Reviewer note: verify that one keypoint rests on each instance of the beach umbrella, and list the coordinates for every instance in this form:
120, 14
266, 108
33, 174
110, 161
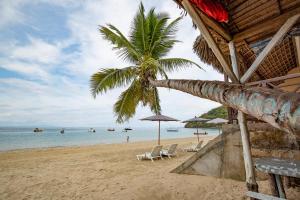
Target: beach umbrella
218, 121
196, 119
159, 118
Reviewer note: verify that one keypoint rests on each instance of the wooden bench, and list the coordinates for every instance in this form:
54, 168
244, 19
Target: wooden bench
276, 168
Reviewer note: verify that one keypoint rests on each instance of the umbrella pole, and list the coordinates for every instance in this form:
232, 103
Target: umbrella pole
197, 134
158, 132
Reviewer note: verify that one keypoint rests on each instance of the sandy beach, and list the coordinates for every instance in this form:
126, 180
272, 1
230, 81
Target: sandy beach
109, 172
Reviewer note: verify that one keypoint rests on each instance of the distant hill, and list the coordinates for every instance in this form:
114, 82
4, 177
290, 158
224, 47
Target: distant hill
219, 112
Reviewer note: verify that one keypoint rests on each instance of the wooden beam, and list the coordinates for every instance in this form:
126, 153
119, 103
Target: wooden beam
280, 78
274, 41
234, 60
261, 196
297, 45
249, 167
215, 25
209, 39
245, 136
267, 27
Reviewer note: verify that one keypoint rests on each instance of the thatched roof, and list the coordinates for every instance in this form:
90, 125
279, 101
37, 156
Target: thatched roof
252, 24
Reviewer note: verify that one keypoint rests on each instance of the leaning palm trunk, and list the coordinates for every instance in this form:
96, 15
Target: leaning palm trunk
280, 109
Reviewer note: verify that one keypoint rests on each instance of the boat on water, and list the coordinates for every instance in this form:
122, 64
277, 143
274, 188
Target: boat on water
128, 129
92, 130
205, 133
62, 131
110, 129
36, 130
172, 130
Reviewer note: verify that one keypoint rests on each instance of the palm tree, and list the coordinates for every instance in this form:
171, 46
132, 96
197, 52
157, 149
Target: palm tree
278, 108
150, 40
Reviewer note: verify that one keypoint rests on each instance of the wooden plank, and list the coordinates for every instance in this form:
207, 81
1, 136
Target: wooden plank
257, 10
214, 25
261, 196
267, 27
286, 4
269, 12
274, 41
280, 78
208, 37
278, 166
246, 7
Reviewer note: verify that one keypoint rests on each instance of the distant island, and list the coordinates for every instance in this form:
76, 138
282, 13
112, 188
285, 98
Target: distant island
219, 112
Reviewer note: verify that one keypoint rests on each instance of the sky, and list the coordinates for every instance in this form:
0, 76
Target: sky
50, 48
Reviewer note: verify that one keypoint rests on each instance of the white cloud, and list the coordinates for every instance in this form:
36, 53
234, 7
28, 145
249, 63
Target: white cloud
9, 12
33, 71
63, 101
37, 51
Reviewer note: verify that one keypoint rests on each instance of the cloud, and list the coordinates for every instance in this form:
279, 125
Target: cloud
54, 89
37, 51
9, 13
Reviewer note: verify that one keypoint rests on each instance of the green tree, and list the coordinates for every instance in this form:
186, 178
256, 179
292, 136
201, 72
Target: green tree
150, 40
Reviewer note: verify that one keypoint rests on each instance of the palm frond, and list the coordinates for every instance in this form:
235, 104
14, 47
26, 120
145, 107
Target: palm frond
125, 48
173, 64
110, 78
139, 33
126, 105
166, 41
155, 103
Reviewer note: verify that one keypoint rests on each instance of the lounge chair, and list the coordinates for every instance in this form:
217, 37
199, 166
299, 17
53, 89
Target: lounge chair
155, 153
171, 151
194, 148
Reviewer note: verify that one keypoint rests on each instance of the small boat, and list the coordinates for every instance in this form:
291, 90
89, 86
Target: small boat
110, 129
62, 131
36, 130
128, 129
172, 130
205, 133
92, 130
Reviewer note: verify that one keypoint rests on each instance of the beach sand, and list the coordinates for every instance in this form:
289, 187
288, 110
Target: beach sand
108, 172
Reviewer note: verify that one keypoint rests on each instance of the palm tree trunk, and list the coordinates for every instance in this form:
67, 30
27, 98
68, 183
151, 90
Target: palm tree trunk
280, 109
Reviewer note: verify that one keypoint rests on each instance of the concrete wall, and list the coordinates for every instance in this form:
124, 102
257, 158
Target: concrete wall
223, 157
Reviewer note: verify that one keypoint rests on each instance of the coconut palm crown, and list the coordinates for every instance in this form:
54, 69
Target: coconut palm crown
150, 39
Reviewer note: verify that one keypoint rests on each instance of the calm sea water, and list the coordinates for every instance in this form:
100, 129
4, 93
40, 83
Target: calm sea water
21, 138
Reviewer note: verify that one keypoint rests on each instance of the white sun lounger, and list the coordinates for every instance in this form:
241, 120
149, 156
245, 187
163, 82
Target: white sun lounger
194, 148
171, 151
155, 153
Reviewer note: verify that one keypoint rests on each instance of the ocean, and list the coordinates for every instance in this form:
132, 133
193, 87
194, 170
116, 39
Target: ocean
23, 138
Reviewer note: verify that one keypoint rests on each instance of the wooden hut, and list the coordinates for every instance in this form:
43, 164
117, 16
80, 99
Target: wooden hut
258, 46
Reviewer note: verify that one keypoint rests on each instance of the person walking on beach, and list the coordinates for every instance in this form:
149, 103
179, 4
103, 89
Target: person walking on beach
127, 138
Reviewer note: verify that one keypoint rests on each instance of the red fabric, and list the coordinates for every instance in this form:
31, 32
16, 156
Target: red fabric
213, 9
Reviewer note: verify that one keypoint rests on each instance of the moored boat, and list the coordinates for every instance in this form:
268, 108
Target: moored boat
36, 130
92, 130
172, 130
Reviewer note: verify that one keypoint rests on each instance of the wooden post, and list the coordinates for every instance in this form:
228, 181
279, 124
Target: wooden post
297, 45
250, 175
158, 132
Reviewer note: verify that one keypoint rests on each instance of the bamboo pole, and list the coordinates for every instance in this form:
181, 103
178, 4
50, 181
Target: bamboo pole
250, 175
